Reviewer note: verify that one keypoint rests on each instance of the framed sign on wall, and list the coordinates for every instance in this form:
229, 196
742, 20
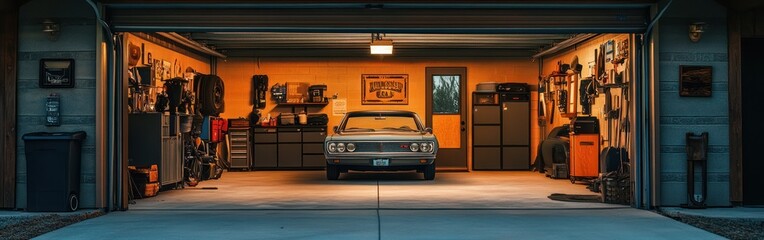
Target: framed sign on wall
695, 81
383, 89
56, 73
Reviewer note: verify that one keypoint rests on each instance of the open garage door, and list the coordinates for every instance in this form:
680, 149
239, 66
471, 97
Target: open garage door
381, 16
247, 30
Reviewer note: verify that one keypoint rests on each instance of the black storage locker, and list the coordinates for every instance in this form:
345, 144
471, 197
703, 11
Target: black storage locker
501, 129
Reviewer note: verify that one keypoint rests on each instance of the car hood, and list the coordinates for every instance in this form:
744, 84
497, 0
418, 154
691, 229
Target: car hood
380, 136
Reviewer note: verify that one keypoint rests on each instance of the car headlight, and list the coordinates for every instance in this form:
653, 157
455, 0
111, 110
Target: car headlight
426, 147
340, 147
332, 147
414, 147
350, 147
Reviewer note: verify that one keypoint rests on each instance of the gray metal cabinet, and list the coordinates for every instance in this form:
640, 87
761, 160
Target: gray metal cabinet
313, 147
486, 158
239, 154
265, 148
501, 131
150, 142
515, 131
288, 147
515, 123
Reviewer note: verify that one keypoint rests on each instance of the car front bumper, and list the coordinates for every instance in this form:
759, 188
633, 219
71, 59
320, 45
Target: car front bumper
367, 160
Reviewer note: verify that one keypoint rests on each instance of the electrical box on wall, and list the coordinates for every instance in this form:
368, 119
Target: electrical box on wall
53, 110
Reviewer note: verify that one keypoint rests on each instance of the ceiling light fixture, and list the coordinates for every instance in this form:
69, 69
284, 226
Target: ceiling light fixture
379, 45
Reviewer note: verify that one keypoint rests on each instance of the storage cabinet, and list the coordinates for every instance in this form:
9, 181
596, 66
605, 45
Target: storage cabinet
313, 147
584, 155
500, 131
289, 147
265, 148
150, 142
240, 156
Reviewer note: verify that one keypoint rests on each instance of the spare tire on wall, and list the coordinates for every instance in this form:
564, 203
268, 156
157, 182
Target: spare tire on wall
211, 95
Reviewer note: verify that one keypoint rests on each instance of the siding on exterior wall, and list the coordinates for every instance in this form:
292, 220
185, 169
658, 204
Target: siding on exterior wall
76, 40
679, 115
343, 76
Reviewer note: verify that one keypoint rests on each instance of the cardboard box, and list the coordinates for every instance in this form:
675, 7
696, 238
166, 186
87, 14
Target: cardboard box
147, 175
297, 92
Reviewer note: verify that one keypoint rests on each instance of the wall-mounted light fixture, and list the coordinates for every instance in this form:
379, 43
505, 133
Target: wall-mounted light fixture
50, 28
379, 45
696, 30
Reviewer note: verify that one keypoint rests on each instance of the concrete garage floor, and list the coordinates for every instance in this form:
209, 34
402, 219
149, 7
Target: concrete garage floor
303, 205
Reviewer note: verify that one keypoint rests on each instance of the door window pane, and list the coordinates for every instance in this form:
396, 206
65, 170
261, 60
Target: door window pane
445, 94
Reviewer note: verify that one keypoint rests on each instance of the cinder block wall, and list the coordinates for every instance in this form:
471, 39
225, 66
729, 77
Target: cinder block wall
343, 76
76, 40
679, 115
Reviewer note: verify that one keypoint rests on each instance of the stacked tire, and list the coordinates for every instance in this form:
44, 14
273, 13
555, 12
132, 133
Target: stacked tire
210, 93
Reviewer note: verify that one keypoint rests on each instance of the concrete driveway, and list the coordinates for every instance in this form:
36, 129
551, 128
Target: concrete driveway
302, 205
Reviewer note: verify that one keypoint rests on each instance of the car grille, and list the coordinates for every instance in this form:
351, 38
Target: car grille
382, 147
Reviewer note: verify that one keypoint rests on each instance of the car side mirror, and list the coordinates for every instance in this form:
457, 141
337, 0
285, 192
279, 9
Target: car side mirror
334, 129
428, 130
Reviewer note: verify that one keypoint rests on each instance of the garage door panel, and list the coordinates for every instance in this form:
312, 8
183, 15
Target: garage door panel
517, 20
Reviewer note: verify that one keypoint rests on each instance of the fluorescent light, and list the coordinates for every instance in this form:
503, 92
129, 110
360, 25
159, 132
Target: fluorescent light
382, 46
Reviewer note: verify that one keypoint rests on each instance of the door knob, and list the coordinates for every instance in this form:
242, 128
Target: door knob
463, 129
463, 123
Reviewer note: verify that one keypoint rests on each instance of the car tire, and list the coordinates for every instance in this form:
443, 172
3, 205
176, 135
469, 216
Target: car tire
332, 172
212, 95
429, 172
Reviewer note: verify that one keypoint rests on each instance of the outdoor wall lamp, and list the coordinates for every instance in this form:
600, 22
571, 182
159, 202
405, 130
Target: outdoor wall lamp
50, 28
697, 29
379, 45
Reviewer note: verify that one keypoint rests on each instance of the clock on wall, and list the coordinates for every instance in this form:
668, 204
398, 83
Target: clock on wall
56, 73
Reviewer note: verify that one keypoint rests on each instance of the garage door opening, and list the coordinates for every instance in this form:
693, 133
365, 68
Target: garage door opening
264, 150
565, 89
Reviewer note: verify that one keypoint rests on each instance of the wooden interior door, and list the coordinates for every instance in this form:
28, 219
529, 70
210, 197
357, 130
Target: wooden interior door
446, 98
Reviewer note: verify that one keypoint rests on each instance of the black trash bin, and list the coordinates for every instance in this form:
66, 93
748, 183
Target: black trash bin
53, 170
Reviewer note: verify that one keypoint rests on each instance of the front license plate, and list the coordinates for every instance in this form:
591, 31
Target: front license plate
381, 162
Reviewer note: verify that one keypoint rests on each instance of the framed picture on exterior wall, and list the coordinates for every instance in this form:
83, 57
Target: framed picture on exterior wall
384, 89
56, 73
695, 81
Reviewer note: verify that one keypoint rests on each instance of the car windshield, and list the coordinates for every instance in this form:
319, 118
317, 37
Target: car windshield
381, 123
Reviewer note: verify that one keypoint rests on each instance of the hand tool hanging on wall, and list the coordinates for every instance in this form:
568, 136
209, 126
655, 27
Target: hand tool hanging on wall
259, 90
587, 93
601, 74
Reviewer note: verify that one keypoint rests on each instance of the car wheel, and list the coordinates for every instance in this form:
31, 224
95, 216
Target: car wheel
211, 95
429, 172
332, 172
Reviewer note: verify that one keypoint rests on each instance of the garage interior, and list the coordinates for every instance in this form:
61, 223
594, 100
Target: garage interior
564, 72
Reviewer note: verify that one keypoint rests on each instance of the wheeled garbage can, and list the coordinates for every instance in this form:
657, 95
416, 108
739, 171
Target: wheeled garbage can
53, 170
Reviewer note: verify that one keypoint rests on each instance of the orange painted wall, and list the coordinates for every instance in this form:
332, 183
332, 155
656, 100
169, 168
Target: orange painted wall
585, 53
198, 63
343, 77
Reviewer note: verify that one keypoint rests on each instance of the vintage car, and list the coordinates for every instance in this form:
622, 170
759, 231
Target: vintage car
380, 141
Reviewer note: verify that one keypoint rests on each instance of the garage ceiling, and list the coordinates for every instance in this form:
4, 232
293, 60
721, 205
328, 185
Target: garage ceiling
317, 44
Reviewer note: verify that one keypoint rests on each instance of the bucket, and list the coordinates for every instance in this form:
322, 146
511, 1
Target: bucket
186, 121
